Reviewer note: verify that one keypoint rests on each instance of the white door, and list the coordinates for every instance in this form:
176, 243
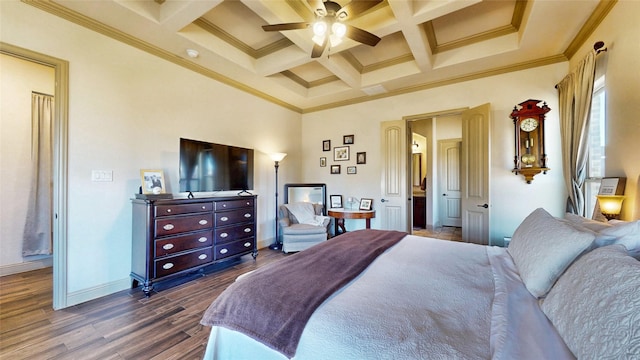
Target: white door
475, 174
450, 189
392, 210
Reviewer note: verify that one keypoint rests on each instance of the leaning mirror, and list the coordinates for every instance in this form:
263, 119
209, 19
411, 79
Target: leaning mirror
313, 193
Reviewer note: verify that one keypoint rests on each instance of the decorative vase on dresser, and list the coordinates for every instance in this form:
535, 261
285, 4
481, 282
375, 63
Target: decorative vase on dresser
176, 237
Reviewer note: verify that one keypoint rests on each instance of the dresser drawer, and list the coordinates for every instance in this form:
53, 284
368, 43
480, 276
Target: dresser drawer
234, 204
231, 233
168, 210
174, 264
175, 225
233, 248
176, 244
234, 217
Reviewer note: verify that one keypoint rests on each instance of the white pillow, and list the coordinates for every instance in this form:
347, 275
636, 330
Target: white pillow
587, 223
542, 247
613, 232
625, 233
595, 305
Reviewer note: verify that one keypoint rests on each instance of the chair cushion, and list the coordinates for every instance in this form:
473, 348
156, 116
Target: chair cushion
301, 229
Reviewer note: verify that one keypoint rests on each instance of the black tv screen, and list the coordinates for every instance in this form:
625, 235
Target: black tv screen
207, 166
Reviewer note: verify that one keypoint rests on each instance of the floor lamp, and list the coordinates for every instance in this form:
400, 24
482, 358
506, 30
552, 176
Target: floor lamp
277, 157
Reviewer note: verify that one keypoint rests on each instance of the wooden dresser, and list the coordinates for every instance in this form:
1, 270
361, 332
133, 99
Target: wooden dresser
180, 236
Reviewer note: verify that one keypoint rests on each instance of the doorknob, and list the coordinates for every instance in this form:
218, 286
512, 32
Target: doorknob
486, 206
383, 200
444, 194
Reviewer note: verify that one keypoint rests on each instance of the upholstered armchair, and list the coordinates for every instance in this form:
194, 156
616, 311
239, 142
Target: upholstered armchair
300, 235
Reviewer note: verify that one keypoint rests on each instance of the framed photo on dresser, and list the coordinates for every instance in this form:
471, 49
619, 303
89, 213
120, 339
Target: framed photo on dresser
152, 181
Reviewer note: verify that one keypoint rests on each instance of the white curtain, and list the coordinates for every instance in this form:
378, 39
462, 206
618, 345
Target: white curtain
575, 92
37, 239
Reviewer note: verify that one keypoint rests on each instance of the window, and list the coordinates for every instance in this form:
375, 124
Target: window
596, 143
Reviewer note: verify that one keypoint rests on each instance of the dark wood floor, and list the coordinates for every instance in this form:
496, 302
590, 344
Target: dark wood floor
124, 325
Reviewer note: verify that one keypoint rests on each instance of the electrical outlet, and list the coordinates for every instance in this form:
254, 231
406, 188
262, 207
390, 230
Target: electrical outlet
101, 175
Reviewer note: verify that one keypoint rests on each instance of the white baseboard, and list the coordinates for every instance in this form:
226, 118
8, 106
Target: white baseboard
26, 266
77, 297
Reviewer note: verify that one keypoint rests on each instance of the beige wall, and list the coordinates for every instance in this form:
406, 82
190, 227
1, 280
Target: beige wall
18, 78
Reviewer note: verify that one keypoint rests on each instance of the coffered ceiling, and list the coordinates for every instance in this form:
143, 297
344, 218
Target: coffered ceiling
424, 43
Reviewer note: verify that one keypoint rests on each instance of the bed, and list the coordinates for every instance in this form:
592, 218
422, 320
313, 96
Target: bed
572, 291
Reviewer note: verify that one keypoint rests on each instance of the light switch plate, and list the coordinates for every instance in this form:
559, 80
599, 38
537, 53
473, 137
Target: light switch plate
101, 175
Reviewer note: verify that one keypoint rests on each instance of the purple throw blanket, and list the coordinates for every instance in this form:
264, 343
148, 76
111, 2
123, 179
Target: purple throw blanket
273, 304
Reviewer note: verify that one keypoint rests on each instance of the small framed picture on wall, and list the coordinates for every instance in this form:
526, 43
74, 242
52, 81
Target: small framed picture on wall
361, 158
323, 161
335, 169
326, 145
348, 140
340, 153
351, 170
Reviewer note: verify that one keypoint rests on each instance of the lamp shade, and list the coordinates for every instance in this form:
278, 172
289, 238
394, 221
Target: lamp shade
278, 156
610, 205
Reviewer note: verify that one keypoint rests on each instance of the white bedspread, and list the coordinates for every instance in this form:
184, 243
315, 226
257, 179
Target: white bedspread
422, 299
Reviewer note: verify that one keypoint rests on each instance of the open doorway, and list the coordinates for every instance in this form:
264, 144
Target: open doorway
435, 206
59, 161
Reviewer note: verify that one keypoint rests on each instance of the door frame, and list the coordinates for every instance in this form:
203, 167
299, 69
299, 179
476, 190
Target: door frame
432, 199
60, 164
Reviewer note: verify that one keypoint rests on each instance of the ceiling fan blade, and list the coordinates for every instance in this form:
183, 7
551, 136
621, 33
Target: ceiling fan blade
356, 7
361, 36
319, 49
288, 26
318, 7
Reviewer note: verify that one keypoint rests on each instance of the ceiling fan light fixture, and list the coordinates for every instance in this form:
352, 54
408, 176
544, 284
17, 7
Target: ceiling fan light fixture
320, 28
339, 29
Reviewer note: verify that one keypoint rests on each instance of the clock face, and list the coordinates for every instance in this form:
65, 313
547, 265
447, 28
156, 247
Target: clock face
528, 124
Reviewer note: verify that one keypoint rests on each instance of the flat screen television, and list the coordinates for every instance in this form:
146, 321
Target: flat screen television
209, 167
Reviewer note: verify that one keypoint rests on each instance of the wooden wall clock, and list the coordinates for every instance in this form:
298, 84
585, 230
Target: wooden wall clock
528, 120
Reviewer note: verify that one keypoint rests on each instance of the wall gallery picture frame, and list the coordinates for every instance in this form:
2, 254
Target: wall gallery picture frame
361, 158
323, 162
351, 170
340, 153
335, 201
348, 139
152, 181
326, 145
335, 169
366, 204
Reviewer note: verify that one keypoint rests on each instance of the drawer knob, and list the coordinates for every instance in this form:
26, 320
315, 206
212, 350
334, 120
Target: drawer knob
167, 266
248, 203
204, 207
224, 218
247, 230
168, 227
247, 244
247, 215
202, 239
224, 205
203, 222
223, 251
202, 256
167, 246
224, 235
168, 210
